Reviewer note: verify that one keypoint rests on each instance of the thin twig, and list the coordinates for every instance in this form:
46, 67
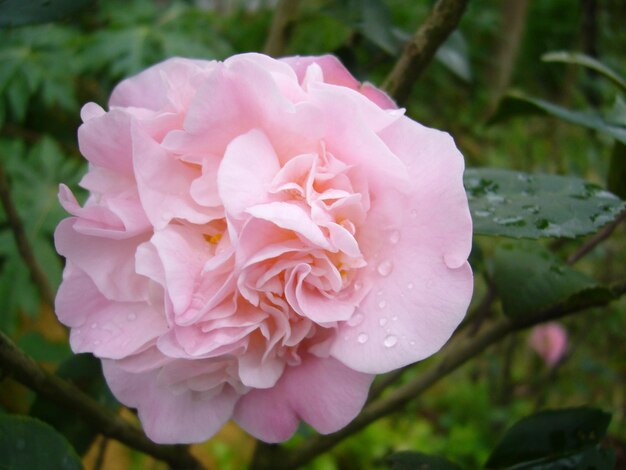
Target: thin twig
595, 240
420, 50
26, 371
456, 357
282, 25
21, 240
102, 449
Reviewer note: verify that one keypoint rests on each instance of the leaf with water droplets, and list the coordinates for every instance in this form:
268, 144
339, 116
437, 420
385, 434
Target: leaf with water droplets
27, 443
521, 205
529, 278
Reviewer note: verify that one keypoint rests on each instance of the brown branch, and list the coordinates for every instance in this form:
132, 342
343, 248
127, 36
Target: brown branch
26, 371
21, 240
595, 240
281, 27
420, 50
456, 356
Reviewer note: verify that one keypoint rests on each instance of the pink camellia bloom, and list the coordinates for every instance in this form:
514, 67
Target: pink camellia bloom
549, 341
261, 237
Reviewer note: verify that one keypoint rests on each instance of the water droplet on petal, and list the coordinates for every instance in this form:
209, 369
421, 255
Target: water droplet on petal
382, 304
412, 343
355, 319
362, 338
384, 268
131, 317
96, 342
380, 292
94, 326
358, 285
382, 321
410, 285
413, 214
395, 318
394, 237
390, 341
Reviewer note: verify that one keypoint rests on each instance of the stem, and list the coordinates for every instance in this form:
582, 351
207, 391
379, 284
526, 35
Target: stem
21, 240
595, 240
26, 371
282, 25
419, 51
467, 349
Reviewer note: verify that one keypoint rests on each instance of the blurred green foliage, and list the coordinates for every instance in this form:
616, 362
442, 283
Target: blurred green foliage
48, 70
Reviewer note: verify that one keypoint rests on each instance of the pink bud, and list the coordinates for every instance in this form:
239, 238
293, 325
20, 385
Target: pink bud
549, 341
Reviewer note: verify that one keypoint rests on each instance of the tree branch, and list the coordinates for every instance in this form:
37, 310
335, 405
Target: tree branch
26, 371
419, 51
280, 30
21, 240
596, 239
469, 348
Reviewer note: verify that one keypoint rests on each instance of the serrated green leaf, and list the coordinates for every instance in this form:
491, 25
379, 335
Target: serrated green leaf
84, 371
23, 12
578, 58
529, 278
520, 205
548, 436
516, 104
409, 460
27, 443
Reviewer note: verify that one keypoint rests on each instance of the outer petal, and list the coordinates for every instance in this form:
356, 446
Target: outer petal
170, 415
107, 329
109, 263
323, 392
422, 284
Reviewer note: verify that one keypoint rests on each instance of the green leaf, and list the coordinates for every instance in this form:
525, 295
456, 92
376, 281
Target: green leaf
516, 104
529, 278
540, 440
586, 61
520, 205
84, 371
454, 55
27, 443
22, 12
408, 460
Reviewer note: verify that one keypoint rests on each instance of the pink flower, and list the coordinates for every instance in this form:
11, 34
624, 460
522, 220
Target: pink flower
549, 341
261, 237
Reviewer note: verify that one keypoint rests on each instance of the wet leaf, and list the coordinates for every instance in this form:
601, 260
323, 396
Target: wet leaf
551, 438
520, 205
529, 278
27, 443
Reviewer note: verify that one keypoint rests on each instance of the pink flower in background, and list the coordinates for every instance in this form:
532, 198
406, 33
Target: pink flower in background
549, 341
261, 237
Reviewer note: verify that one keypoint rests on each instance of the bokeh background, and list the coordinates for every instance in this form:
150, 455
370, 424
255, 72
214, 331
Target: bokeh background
48, 71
